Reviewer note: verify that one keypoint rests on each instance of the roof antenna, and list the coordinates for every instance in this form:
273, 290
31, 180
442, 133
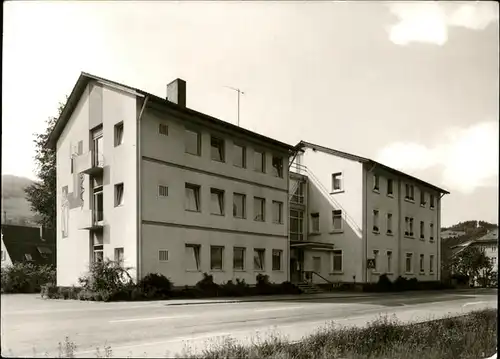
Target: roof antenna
239, 92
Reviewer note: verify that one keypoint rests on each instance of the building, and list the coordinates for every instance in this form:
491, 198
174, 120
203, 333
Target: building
449, 233
36, 245
164, 189
488, 243
353, 219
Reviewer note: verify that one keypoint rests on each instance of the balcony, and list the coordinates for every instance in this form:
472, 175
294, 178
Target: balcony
91, 163
90, 219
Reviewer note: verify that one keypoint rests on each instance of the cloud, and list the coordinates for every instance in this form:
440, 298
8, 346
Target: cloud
428, 22
467, 158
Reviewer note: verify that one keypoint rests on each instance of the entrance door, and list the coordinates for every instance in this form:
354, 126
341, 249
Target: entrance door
317, 264
294, 273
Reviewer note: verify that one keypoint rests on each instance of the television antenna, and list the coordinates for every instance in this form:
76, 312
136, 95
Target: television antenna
239, 93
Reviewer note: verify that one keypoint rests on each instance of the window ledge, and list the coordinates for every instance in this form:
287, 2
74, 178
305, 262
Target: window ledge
376, 190
422, 239
277, 222
336, 231
192, 210
375, 232
278, 270
259, 220
432, 208
336, 272
389, 273
193, 270
314, 234
239, 217
410, 273
259, 270
217, 270
390, 195
409, 200
239, 270
422, 273
431, 240
410, 237
217, 214
216, 160
337, 191
422, 205
118, 206
389, 234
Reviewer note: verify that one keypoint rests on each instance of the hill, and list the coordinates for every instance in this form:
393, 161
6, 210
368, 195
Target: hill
15, 207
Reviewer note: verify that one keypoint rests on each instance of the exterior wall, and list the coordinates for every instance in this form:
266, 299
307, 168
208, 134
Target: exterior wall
491, 251
320, 167
6, 261
382, 241
415, 244
166, 223
74, 251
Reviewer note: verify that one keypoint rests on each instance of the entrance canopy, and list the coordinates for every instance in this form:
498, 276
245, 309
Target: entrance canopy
311, 245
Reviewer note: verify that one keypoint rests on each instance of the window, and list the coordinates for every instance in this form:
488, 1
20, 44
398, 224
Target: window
258, 259
239, 205
216, 201
277, 255
376, 183
277, 212
409, 192
422, 269
162, 191
422, 230
493, 260
337, 220
192, 257
118, 134
192, 142
217, 149
389, 223
411, 227
216, 255
239, 156
3, 255
389, 187
192, 197
337, 260
259, 161
98, 253
239, 258
315, 222
407, 226
375, 221
163, 129
119, 194
431, 263
28, 257
163, 255
337, 182
259, 209
422, 198
408, 263
119, 255
432, 201
278, 166
431, 230
296, 225
375, 257
389, 261
298, 194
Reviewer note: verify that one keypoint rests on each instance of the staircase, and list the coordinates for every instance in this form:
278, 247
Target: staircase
309, 288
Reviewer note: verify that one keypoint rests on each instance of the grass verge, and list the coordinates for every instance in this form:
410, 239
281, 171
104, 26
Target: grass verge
473, 336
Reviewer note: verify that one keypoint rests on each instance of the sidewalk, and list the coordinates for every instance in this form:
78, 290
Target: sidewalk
305, 297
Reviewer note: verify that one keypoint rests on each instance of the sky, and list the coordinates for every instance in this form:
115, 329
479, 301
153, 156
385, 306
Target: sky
414, 85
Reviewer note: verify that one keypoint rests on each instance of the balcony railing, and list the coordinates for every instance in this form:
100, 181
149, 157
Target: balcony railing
90, 163
90, 219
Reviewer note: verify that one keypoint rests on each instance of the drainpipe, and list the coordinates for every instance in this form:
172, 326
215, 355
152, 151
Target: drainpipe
139, 191
399, 227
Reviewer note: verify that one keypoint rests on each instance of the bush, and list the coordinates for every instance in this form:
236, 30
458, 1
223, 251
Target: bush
235, 290
155, 285
106, 277
24, 277
207, 286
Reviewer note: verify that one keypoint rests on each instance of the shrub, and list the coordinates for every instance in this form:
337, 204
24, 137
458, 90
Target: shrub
207, 286
106, 276
155, 285
239, 289
384, 284
26, 277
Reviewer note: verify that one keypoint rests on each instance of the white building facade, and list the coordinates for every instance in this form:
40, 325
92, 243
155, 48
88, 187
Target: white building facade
361, 219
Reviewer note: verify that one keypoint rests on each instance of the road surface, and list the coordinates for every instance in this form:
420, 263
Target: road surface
33, 327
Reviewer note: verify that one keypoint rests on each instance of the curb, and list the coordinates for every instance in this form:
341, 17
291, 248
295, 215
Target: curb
229, 301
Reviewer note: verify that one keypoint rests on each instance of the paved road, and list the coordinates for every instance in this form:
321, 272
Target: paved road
155, 328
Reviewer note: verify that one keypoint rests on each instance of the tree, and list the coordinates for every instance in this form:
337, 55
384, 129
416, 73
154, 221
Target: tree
472, 262
42, 194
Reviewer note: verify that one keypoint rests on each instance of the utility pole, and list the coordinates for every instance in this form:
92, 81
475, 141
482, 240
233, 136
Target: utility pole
239, 92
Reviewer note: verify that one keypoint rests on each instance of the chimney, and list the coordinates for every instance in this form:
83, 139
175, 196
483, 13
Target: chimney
176, 92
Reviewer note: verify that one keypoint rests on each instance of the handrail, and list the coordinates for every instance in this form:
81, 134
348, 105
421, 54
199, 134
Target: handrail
319, 275
349, 219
